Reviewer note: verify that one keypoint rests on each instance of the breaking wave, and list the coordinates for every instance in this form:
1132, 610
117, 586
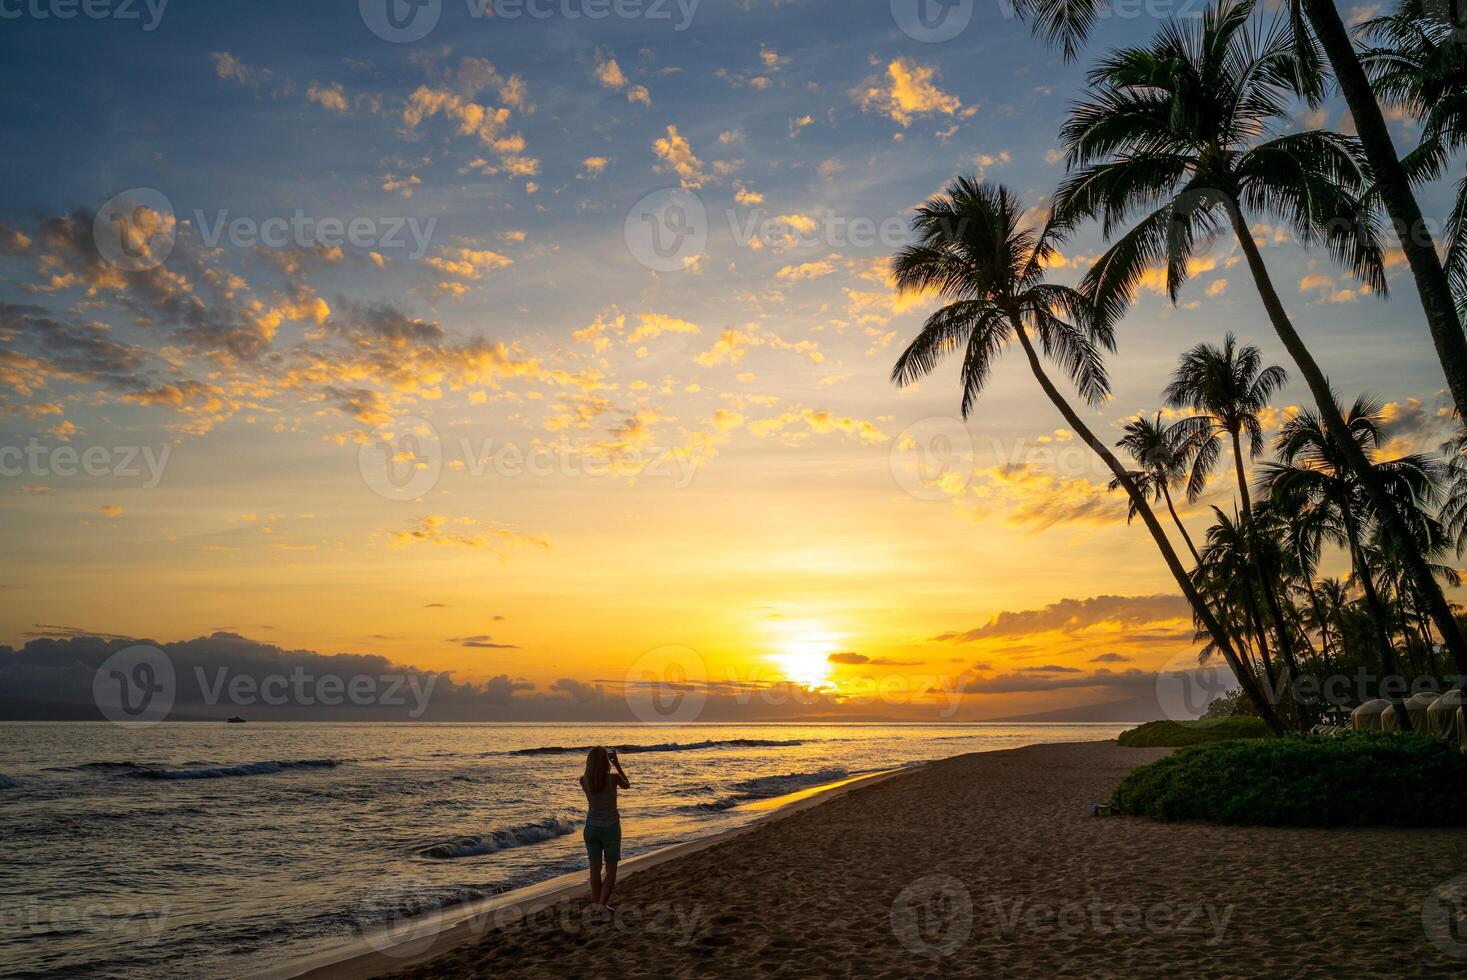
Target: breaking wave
499, 840
729, 743
225, 772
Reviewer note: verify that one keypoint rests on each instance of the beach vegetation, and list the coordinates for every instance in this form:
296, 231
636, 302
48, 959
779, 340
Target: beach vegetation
1360, 779
1176, 734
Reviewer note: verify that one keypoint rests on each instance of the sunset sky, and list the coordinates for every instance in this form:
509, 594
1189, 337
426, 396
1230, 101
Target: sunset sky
610, 458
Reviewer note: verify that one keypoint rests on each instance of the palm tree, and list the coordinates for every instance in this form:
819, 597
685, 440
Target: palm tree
1226, 574
1067, 23
1158, 450
1306, 528
1419, 65
1392, 179
1454, 510
1179, 127
972, 248
1334, 601
1228, 388
1312, 472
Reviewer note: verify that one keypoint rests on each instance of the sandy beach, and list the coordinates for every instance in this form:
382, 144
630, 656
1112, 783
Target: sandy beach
989, 864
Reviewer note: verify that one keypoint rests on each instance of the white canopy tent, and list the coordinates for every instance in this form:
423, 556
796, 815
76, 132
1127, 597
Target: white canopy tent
1442, 718
1367, 717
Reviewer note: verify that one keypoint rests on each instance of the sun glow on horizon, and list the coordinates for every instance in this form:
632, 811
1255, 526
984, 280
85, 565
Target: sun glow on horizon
804, 649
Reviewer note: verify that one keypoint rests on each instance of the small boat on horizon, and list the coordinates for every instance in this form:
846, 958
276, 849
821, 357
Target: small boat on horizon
236, 720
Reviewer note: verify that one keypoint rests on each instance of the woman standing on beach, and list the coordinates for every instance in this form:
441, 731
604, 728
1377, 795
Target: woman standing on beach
603, 820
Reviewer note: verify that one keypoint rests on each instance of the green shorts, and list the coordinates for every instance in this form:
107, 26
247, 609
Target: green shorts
603, 843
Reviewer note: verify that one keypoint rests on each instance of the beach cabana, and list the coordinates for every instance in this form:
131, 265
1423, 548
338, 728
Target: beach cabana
1418, 705
1442, 717
1367, 717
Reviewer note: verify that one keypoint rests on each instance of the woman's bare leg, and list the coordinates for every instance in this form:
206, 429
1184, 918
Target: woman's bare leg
596, 898
608, 884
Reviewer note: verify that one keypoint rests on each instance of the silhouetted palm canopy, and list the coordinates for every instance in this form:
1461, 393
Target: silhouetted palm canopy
1454, 508
1177, 131
1312, 471
1420, 64
973, 250
1228, 387
1158, 450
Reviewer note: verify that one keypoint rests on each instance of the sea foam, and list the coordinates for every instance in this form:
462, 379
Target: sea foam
728, 743
225, 772
499, 840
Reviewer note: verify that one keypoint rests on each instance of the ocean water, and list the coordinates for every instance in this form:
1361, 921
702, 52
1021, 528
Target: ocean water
207, 850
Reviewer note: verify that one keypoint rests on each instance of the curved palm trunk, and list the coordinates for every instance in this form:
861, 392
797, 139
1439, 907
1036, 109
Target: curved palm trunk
1376, 610
1204, 613
1250, 603
1171, 508
1424, 625
1242, 480
1441, 612
1395, 191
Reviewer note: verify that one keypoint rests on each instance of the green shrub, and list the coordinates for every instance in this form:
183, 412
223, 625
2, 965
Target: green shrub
1356, 779
1175, 734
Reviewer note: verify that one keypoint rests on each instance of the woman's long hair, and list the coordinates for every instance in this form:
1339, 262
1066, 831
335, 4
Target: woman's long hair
598, 767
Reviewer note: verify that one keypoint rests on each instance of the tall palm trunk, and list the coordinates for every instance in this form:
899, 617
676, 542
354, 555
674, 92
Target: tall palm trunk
1424, 625
1242, 478
1172, 509
1395, 191
1263, 571
1376, 610
1326, 644
1250, 603
1199, 605
1441, 612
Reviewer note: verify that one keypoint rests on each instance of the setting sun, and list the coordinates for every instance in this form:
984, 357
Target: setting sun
804, 653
